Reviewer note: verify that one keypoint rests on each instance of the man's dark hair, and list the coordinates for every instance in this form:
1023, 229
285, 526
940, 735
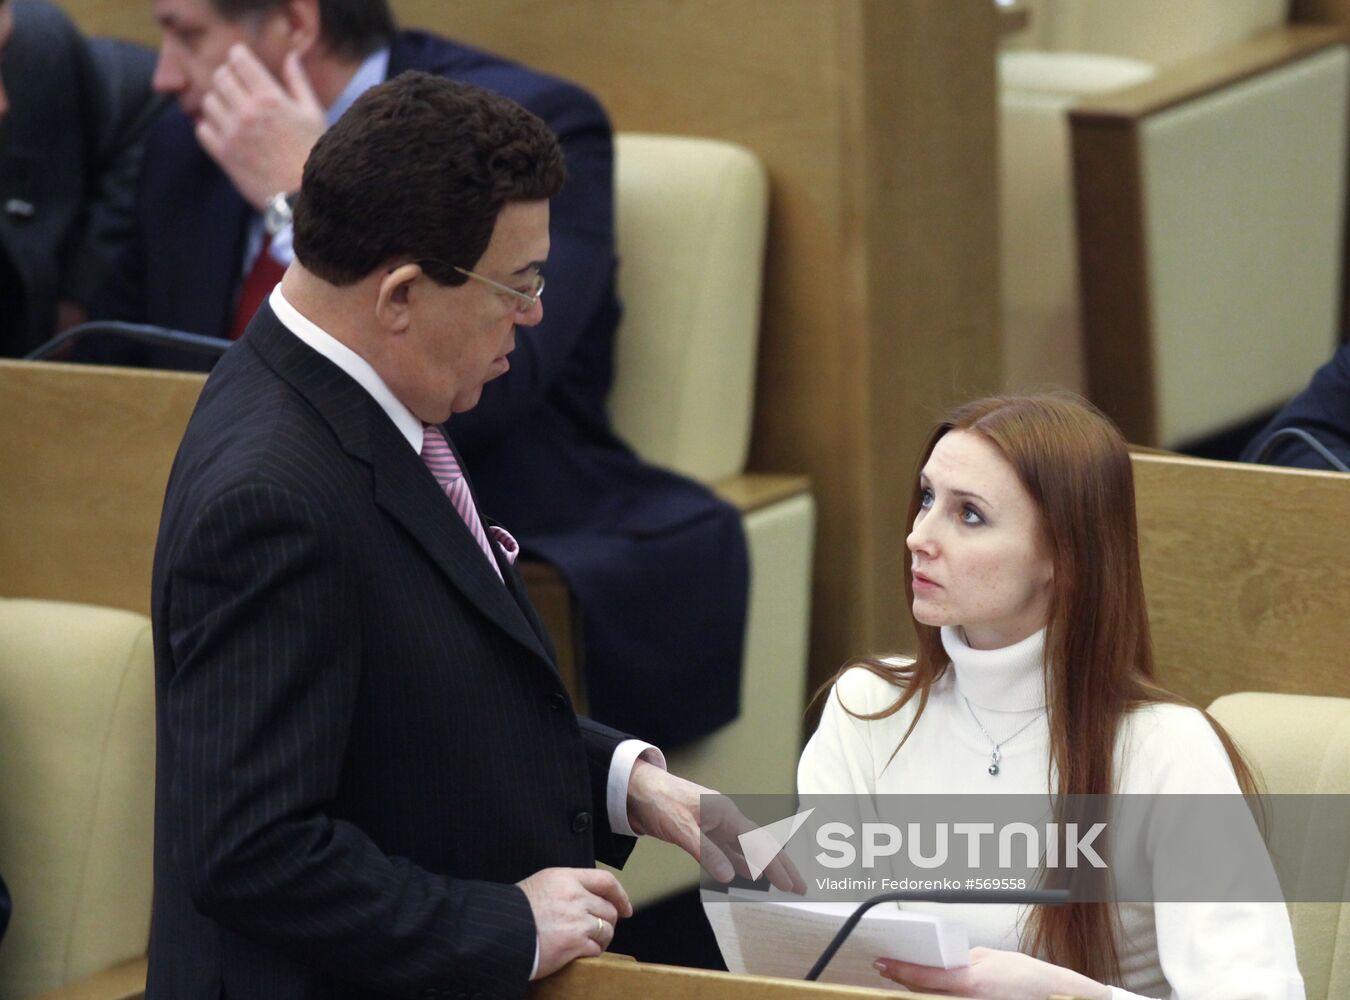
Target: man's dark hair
418, 169
352, 28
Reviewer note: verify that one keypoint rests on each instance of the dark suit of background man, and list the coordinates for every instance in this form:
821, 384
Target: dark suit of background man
369, 779
73, 116
1322, 411
657, 563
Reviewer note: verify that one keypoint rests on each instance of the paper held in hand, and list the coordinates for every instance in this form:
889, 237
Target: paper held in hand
771, 935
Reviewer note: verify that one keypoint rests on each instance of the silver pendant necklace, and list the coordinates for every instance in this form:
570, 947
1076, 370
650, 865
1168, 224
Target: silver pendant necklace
996, 753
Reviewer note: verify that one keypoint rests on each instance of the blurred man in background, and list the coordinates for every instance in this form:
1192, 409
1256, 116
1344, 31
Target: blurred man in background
73, 117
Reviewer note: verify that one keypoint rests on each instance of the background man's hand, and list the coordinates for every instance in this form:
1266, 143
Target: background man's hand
260, 130
566, 903
667, 807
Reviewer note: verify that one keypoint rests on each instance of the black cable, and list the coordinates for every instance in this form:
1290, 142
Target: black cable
137, 333
1028, 896
1302, 435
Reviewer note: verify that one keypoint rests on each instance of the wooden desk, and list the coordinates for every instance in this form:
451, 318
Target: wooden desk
1247, 576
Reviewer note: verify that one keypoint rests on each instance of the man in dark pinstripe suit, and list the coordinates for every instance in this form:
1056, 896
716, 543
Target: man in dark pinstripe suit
370, 779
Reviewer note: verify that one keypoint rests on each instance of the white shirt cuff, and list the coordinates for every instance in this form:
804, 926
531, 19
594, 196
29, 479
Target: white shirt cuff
620, 770
534, 969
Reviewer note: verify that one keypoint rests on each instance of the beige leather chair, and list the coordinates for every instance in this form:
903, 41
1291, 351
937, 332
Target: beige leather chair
1172, 208
1300, 744
77, 806
691, 229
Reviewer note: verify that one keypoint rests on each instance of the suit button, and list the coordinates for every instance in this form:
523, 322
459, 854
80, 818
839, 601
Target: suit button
557, 701
581, 822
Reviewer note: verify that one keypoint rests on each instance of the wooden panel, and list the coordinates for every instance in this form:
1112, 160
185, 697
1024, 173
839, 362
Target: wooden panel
876, 121
1113, 274
86, 454
610, 976
931, 273
1247, 573
130, 19
1192, 78
618, 977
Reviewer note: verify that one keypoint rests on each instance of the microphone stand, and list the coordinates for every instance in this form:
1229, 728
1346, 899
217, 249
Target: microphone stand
118, 334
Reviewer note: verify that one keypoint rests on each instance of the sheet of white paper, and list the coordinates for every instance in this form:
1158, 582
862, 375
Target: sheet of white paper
774, 937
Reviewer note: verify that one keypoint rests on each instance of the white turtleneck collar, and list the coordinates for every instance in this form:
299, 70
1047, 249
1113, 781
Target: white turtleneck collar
1011, 679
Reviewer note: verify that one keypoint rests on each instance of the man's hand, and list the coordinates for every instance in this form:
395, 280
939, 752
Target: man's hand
1005, 975
667, 807
259, 131
575, 910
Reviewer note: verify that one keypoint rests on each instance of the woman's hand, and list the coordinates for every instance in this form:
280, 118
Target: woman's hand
995, 975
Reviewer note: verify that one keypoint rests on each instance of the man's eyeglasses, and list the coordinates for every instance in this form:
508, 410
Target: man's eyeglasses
525, 300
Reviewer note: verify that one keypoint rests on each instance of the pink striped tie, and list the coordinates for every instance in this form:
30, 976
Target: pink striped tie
444, 466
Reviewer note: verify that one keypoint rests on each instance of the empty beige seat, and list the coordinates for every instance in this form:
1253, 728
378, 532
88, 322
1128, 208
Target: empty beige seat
1300, 744
77, 772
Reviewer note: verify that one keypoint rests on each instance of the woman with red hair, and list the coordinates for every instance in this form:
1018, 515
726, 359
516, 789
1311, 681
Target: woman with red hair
1034, 675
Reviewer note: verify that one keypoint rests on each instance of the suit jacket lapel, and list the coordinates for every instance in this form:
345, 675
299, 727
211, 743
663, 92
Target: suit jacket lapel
408, 493
404, 488
510, 575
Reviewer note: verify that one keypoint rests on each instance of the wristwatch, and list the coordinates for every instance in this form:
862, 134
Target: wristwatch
277, 211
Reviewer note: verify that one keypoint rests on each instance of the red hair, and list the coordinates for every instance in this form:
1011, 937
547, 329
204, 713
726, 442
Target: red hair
1074, 464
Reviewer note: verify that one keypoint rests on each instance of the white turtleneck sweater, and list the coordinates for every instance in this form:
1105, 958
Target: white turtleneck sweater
1238, 951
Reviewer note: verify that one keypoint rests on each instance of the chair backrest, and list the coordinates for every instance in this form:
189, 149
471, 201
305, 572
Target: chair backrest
77, 766
1247, 576
1300, 745
691, 229
1209, 236
1157, 31
85, 453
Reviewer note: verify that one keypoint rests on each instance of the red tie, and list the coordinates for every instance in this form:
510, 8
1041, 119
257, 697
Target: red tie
258, 284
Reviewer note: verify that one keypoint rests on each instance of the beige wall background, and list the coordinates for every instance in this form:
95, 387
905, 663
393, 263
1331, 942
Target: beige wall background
876, 121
